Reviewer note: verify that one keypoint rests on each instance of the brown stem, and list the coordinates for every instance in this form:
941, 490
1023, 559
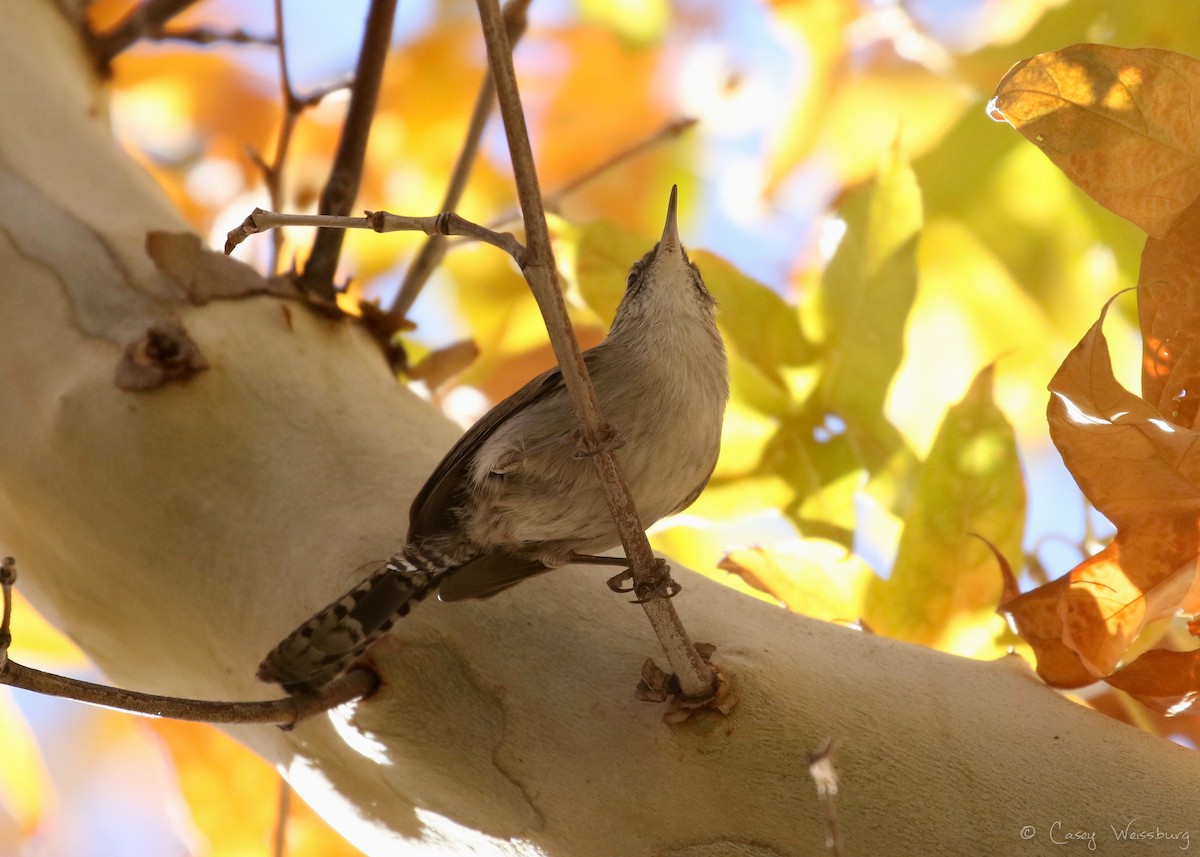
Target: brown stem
434, 248
146, 19
342, 186
696, 678
284, 712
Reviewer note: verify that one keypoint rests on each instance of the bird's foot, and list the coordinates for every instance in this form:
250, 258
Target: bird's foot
661, 585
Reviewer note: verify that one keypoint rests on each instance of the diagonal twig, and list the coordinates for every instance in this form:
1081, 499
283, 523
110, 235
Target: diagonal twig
434, 248
342, 187
696, 678
671, 130
674, 128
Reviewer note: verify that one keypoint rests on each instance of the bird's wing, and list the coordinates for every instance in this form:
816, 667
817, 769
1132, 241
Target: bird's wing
487, 575
432, 509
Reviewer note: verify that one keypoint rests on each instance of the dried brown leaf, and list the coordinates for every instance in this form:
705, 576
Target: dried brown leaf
1169, 310
1143, 473
439, 366
1165, 681
203, 274
1117, 122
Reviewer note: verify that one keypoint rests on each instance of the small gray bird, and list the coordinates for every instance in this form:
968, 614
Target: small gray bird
515, 496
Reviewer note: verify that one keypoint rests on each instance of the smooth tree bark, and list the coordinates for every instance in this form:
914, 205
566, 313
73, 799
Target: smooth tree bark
184, 477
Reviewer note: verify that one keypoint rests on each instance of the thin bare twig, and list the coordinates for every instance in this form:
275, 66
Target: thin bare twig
446, 223
552, 201
434, 248
674, 128
696, 678
283, 712
432, 252
210, 35
342, 186
293, 105
147, 19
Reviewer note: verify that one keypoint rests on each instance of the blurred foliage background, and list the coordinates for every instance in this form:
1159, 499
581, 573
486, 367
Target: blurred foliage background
899, 278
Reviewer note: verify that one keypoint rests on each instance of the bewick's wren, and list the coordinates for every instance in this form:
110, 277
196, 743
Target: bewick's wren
515, 497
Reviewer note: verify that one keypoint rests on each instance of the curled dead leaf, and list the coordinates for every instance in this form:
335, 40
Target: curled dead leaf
655, 685
204, 275
1143, 473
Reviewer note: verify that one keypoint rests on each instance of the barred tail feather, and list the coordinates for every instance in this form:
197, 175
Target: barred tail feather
329, 642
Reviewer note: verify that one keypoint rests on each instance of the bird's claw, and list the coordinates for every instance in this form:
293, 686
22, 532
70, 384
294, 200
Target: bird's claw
667, 587
663, 585
617, 582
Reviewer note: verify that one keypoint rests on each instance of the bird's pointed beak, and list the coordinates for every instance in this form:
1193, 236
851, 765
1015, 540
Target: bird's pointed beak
670, 236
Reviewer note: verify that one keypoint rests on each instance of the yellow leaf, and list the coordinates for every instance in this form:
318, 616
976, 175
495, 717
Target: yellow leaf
971, 482
639, 22
814, 577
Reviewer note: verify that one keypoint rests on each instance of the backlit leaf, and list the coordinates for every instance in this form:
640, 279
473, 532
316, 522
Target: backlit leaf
1143, 474
817, 578
1169, 312
970, 483
1166, 681
859, 311
1117, 122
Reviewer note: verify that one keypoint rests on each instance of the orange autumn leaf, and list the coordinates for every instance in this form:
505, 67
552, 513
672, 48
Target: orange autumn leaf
1165, 681
1143, 474
1169, 312
1116, 121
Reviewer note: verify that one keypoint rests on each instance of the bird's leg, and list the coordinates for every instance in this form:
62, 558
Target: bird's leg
662, 584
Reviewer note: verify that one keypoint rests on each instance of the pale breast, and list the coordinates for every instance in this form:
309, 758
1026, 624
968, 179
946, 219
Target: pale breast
669, 425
